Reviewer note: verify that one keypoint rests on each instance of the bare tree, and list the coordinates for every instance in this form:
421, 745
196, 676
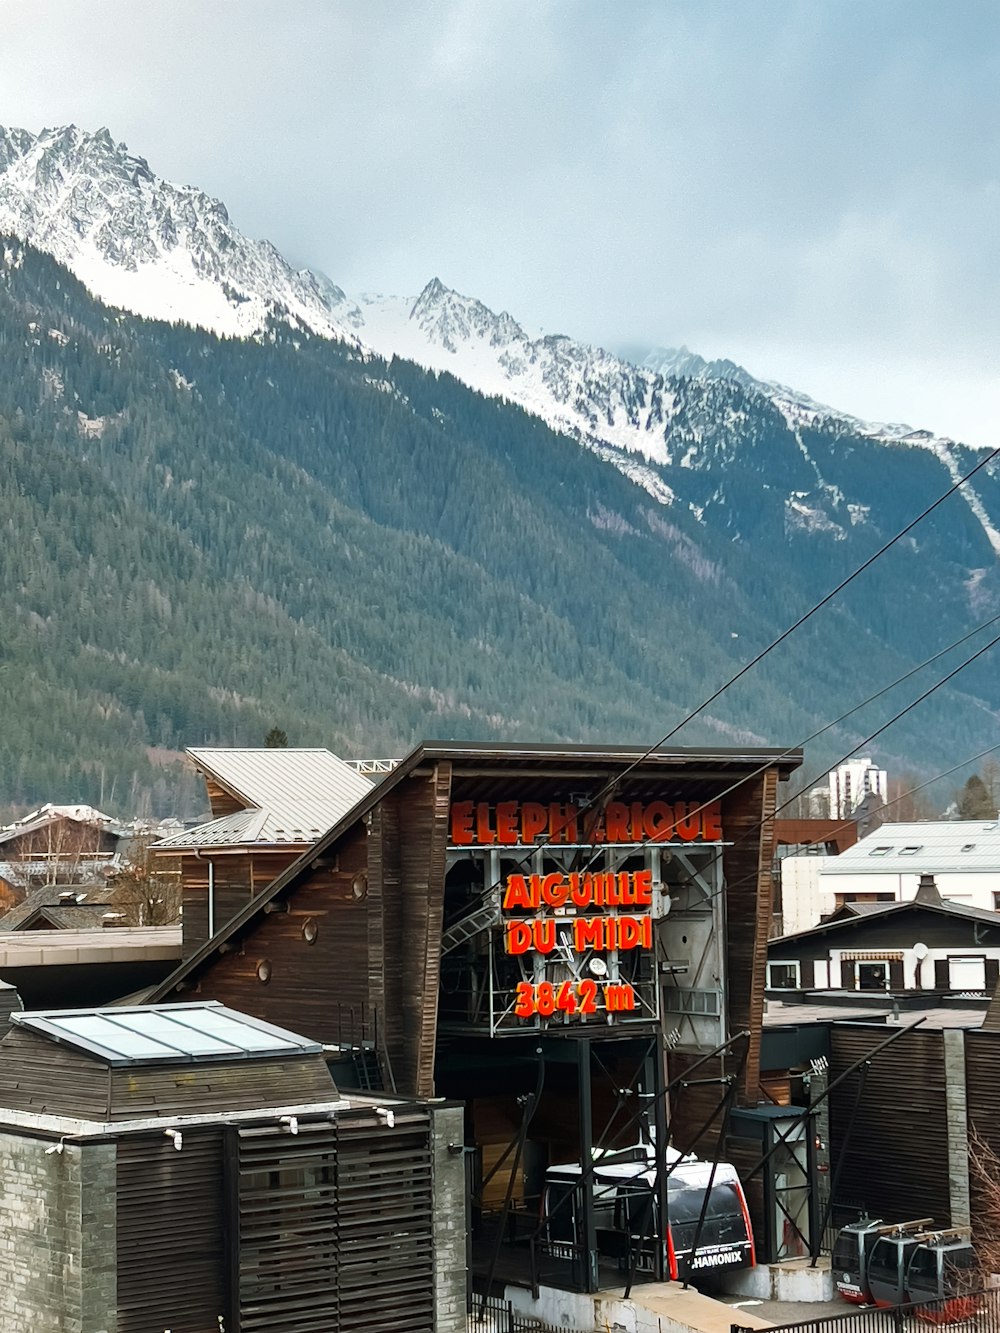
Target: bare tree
984, 1179
905, 804
147, 888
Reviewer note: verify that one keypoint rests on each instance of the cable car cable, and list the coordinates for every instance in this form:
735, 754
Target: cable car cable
589, 1168
727, 1103
755, 829
791, 751
835, 1180
817, 606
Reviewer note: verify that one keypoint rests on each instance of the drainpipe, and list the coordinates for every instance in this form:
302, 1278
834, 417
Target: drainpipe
211, 899
211, 893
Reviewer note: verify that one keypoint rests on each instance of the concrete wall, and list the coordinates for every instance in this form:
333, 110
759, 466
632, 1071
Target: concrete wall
57, 1237
450, 1222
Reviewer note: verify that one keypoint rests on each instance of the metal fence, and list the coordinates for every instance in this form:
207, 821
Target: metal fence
496, 1315
977, 1311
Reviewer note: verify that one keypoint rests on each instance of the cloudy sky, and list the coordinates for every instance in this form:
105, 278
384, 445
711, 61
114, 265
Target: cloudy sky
812, 188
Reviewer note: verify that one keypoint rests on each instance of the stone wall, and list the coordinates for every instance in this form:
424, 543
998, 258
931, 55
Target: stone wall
57, 1237
450, 1220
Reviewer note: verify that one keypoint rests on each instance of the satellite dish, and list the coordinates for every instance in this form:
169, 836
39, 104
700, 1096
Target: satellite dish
920, 951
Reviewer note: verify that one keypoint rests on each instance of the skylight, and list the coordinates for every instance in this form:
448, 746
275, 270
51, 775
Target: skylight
880, 851
911, 851
166, 1033
969, 847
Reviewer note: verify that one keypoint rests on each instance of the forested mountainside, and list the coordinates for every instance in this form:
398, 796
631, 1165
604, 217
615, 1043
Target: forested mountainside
205, 537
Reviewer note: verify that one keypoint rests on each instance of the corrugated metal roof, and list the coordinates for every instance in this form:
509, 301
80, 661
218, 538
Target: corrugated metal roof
930, 847
291, 797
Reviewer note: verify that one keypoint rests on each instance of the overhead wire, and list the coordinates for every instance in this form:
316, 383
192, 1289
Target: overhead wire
793, 750
633, 764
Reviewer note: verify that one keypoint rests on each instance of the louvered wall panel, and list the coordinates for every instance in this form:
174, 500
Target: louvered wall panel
336, 1228
896, 1164
982, 1082
385, 1199
171, 1262
287, 1200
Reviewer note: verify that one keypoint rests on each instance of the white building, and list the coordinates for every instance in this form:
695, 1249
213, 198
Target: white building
850, 783
885, 867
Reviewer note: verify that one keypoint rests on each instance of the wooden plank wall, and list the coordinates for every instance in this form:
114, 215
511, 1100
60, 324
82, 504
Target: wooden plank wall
982, 1082
311, 985
171, 1272
237, 878
385, 932
243, 1085
42, 1076
896, 1164
748, 824
406, 894
423, 839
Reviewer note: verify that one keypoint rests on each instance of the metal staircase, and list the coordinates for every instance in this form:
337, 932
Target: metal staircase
469, 926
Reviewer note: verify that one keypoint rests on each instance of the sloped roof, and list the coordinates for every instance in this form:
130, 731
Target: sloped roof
87, 908
50, 814
499, 754
289, 797
169, 1034
932, 846
855, 920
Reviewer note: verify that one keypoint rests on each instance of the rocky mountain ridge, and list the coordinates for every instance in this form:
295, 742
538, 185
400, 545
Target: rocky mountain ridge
171, 252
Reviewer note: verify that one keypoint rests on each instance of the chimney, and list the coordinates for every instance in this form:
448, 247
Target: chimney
927, 891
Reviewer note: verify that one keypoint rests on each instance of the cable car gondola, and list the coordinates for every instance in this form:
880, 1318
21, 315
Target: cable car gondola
705, 1203
889, 1259
850, 1259
944, 1271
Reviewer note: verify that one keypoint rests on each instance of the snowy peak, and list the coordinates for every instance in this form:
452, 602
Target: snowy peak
160, 250
669, 419
447, 318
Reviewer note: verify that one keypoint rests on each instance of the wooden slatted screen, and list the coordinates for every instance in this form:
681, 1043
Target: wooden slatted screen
171, 1262
386, 1227
288, 1272
336, 1228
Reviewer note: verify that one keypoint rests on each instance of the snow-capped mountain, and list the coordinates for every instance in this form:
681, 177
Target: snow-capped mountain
171, 252
139, 242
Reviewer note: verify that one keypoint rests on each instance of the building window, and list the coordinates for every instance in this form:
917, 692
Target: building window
880, 851
996, 901
911, 851
967, 974
783, 976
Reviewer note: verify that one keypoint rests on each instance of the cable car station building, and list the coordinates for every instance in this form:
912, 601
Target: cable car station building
557, 936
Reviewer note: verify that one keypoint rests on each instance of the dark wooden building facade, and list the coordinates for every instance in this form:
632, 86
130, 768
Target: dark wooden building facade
204, 1173
924, 944
549, 934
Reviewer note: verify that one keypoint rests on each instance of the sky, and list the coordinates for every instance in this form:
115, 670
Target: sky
809, 188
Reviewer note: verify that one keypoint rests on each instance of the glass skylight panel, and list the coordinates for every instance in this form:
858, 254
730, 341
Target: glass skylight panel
911, 851
243, 1036
172, 1033
178, 1036
880, 851
100, 1031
